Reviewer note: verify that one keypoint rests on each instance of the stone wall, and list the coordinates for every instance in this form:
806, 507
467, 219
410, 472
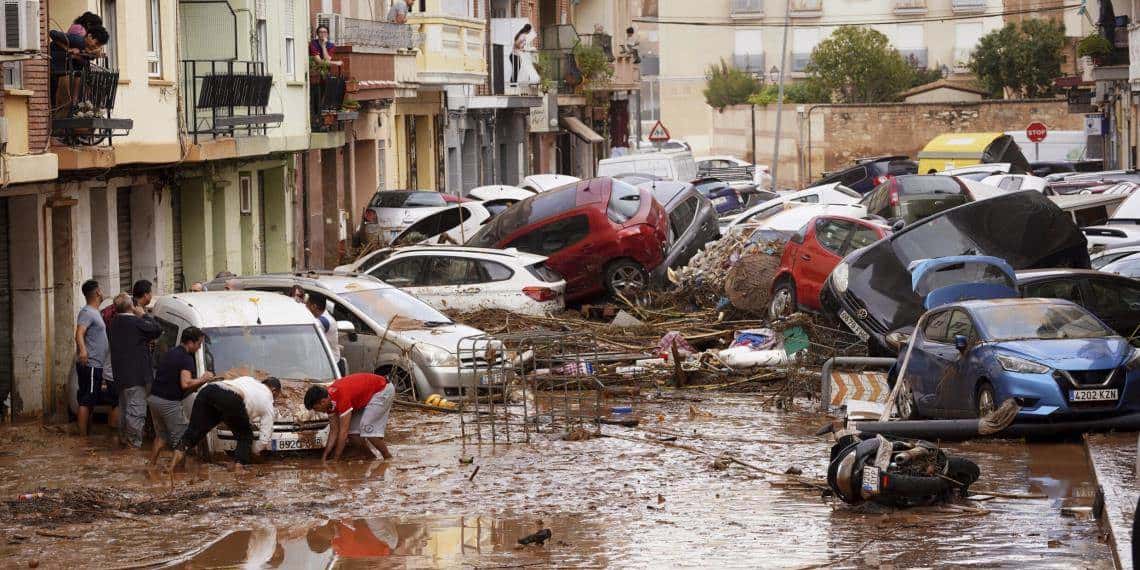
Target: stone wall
816, 138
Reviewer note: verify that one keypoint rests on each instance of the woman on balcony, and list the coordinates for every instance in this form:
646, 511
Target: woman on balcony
321, 48
522, 58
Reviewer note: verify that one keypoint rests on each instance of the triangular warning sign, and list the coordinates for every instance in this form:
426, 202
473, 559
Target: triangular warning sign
658, 133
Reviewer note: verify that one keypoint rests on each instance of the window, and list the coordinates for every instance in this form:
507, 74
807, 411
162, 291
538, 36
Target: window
553, 237
262, 39
935, 328
853, 176
1068, 290
683, 216
960, 324
288, 24
804, 41
401, 272
1113, 298
341, 313
863, 237
625, 201
153, 39
909, 37
966, 36
748, 50
110, 21
496, 271
831, 234
13, 75
452, 271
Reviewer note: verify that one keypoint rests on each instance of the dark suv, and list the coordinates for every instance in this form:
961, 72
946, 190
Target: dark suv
867, 173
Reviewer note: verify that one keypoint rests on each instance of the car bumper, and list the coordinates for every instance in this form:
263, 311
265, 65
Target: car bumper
378, 233
835, 307
455, 383
1041, 396
292, 437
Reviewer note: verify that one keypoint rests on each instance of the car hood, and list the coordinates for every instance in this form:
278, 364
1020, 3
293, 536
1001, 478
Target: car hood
1070, 354
447, 337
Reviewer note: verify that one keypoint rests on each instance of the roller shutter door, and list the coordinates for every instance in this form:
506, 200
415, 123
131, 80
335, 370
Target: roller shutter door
123, 225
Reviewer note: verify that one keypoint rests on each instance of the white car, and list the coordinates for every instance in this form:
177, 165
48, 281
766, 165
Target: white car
451, 225
1099, 260
1018, 182
833, 193
499, 197
1128, 267
710, 164
471, 278
1122, 228
390, 212
539, 183
783, 224
976, 171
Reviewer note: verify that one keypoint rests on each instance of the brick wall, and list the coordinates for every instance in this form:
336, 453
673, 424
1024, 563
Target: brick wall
834, 135
36, 77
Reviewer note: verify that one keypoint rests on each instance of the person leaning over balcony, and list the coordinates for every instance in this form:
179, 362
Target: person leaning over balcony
321, 48
398, 13
73, 51
632, 45
85, 22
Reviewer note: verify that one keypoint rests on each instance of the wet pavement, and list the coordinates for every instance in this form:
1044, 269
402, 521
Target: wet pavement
629, 502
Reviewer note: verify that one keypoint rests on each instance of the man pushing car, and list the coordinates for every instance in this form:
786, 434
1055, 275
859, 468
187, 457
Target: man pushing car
357, 404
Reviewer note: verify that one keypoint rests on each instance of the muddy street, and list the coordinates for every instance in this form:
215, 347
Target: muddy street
630, 500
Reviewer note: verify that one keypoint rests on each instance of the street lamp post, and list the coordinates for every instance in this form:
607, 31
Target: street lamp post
780, 93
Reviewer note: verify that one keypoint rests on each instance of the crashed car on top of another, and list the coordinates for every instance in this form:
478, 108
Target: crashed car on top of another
869, 291
979, 345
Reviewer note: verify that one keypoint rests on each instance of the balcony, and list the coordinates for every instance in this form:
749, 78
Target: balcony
225, 98
327, 88
368, 35
916, 57
559, 71
807, 8
750, 62
746, 9
84, 99
968, 6
910, 7
453, 45
626, 73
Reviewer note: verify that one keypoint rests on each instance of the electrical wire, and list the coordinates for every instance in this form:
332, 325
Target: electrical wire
837, 23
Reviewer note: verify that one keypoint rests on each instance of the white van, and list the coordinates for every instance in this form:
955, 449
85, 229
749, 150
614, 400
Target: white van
260, 332
667, 164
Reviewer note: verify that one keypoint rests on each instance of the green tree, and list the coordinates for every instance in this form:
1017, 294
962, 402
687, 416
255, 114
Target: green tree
1020, 60
858, 65
799, 92
727, 86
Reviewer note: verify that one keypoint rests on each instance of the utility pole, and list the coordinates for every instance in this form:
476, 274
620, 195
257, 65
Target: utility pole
780, 94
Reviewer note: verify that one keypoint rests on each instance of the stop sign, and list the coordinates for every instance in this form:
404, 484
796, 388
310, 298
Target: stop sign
1036, 131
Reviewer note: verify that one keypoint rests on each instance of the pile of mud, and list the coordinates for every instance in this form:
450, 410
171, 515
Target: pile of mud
79, 505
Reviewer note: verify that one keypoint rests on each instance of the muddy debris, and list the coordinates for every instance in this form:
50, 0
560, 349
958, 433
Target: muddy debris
538, 538
81, 505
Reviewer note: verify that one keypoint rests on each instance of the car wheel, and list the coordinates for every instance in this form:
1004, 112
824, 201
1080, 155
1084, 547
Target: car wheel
405, 384
626, 277
984, 400
908, 410
783, 301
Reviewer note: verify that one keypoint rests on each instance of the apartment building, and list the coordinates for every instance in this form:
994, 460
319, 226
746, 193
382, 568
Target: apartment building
749, 34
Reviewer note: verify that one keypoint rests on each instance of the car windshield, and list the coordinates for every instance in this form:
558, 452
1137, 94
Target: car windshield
383, 305
293, 352
1040, 320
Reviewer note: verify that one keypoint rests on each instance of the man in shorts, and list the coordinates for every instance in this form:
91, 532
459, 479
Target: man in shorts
359, 405
175, 378
92, 357
238, 403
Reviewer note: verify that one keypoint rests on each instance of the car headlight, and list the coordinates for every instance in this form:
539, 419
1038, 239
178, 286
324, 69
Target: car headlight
436, 356
1014, 364
1133, 360
840, 275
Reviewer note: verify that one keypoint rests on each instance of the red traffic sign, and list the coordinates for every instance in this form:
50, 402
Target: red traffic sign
658, 133
1036, 131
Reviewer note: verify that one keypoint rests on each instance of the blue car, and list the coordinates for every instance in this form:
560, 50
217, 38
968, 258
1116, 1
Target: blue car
1052, 357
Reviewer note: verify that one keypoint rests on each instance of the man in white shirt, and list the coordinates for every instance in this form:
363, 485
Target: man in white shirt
240, 403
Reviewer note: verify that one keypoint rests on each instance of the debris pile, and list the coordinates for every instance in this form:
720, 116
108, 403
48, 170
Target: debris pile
736, 268
79, 505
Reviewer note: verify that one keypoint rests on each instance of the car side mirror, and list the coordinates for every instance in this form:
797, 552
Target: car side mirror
961, 342
342, 367
345, 327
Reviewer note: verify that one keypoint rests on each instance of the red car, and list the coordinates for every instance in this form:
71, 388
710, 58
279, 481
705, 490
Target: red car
600, 234
810, 256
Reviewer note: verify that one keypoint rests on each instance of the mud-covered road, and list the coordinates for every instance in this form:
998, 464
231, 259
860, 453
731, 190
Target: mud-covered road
628, 502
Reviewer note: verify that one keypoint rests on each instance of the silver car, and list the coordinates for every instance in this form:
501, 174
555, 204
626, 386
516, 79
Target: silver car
389, 332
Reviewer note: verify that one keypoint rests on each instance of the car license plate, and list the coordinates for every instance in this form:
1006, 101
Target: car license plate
295, 443
870, 480
492, 377
851, 324
1092, 395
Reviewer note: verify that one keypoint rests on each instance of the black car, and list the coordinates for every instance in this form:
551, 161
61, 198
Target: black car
692, 221
910, 198
1113, 298
870, 290
867, 173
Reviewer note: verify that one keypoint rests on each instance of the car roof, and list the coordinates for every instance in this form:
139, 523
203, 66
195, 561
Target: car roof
1012, 301
665, 191
480, 252
337, 284
1027, 275
887, 157
235, 308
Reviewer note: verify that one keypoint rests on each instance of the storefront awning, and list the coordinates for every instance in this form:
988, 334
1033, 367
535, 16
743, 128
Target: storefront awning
576, 126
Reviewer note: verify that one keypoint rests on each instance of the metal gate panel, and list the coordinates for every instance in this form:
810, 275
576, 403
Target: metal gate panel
123, 229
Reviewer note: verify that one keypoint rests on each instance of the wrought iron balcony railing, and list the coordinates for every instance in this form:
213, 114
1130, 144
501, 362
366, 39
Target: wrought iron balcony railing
373, 34
83, 99
225, 98
326, 99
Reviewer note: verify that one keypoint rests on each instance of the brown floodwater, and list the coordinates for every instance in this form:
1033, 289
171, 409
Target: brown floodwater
609, 502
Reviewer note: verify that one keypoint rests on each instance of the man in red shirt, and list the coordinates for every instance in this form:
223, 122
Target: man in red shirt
357, 404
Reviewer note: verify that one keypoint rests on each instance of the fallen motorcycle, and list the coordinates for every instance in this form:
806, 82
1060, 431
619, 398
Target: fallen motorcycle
896, 472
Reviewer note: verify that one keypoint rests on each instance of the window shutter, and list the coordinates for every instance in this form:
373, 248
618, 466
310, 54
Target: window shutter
290, 20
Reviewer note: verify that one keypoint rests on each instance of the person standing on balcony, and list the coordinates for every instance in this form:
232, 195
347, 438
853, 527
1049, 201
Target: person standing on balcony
632, 45
398, 13
321, 48
522, 58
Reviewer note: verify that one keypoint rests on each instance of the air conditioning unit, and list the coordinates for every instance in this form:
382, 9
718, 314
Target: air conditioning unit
20, 26
334, 22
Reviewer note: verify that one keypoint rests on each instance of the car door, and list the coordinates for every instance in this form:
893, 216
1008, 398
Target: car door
1117, 303
572, 254
956, 385
362, 348
818, 255
926, 367
450, 283
497, 288
405, 272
